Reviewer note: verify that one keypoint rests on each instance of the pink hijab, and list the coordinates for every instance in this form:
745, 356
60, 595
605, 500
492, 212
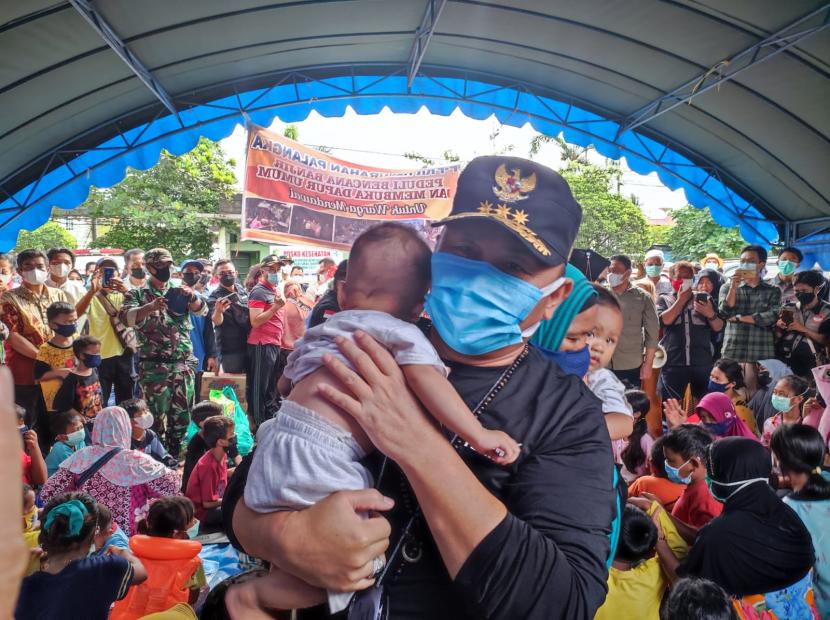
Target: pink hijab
128, 468
727, 422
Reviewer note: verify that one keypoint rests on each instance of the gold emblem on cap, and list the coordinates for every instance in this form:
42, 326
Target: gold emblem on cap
515, 220
511, 186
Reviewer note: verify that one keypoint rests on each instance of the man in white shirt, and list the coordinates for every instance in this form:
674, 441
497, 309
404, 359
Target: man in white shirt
135, 275
654, 272
61, 262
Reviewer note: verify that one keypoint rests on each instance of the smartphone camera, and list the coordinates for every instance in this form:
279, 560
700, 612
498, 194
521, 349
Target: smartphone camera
109, 273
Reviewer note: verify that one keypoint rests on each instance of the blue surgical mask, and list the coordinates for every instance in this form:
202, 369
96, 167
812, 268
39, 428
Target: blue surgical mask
92, 361
76, 439
674, 473
718, 428
653, 271
66, 330
781, 403
786, 267
571, 362
714, 386
193, 530
274, 278
477, 308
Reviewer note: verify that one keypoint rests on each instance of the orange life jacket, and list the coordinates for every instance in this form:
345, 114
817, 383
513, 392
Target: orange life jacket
170, 563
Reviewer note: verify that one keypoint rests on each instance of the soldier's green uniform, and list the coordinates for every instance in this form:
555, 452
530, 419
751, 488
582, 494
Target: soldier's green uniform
164, 349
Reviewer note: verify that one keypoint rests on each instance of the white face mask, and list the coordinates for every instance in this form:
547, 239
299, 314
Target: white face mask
546, 291
5, 278
175, 282
35, 276
145, 421
60, 270
687, 284
712, 265
615, 279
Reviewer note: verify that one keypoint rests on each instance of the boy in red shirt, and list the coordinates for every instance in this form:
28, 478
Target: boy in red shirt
209, 478
685, 449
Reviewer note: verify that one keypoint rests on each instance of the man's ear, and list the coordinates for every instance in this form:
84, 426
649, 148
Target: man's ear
340, 289
696, 461
555, 299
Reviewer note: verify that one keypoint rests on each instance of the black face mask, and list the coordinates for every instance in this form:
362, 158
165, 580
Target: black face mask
190, 278
138, 273
162, 274
227, 280
763, 378
805, 299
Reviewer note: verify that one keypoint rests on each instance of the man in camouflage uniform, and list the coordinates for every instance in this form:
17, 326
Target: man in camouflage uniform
163, 328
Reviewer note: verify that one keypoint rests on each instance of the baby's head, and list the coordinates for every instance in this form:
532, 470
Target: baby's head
606, 334
638, 536
389, 271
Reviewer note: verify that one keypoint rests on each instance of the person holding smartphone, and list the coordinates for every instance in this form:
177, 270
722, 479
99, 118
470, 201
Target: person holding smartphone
689, 318
161, 314
802, 330
750, 306
229, 314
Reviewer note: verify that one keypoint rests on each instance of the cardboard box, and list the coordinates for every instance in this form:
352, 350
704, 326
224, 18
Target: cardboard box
211, 382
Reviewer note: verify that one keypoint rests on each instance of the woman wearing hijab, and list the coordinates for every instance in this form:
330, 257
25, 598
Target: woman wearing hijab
758, 550
122, 479
716, 412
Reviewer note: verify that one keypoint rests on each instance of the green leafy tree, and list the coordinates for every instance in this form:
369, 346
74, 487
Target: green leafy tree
611, 223
696, 234
174, 204
50, 235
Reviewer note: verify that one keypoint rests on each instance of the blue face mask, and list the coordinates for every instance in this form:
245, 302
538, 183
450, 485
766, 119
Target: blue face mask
92, 361
66, 330
477, 308
718, 428
76, 439
716, 387
273, 278
674, 474
571, 362
193, 530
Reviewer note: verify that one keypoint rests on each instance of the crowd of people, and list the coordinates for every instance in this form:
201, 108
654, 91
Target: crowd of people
505, 427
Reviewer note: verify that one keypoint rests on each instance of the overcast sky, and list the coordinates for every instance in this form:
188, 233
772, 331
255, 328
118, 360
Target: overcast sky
382, 139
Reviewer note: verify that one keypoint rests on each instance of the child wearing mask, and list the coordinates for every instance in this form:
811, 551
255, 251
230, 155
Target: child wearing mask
68, 430
174, 570
636, 581
81, 389
727, 376
787, 399
70, 583
685, 450
209, 477
657, 483
55, 357
196, 447
144, 439
601, 381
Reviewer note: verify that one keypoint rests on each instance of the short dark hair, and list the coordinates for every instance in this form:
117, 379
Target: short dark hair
128, 255
792, 250
327, 261
60, 420
25, 255
658, 459
204, 410
760, 251
167, 516
638, 536
692, 598
216, 428
811, 278
220, 262
104, 517
798, 385
57, 308
688, 440
622, 258
638, 400
606, 298
82, 343
133, 405
733, 371
53, 251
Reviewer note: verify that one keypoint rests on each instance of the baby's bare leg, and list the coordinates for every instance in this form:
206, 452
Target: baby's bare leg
276, 591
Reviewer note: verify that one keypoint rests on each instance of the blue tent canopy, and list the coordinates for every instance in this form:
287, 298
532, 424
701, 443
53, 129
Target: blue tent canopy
675, 89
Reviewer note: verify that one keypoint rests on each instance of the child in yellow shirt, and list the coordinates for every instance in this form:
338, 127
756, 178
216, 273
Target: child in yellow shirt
636, 581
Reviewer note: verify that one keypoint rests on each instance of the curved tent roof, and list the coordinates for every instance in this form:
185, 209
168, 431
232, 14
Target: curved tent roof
727, 100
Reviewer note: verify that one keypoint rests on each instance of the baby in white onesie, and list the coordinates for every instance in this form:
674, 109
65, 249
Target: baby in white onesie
311, 448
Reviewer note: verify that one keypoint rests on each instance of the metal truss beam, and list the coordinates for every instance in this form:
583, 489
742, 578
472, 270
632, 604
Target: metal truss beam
383, 83
422, 38
105, 31
785, 38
